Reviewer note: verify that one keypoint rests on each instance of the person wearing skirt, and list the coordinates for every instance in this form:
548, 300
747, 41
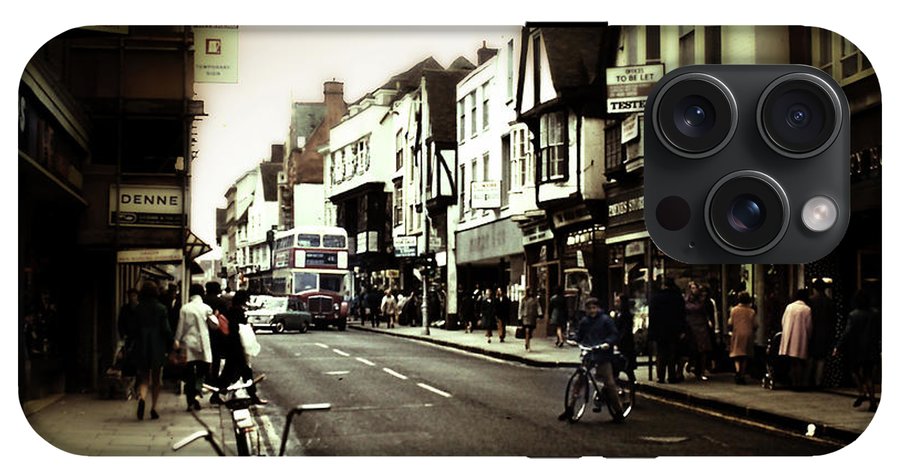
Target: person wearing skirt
698, 320
743, 327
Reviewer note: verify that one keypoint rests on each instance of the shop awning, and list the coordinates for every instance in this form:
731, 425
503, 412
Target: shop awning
194, 247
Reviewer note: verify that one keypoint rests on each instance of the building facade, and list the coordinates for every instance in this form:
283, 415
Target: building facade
106, 119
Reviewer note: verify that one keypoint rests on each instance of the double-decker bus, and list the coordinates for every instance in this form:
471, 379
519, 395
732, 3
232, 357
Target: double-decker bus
310, 262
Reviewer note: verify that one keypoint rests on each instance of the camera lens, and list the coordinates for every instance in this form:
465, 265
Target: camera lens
799, 115
747, 212
695, 115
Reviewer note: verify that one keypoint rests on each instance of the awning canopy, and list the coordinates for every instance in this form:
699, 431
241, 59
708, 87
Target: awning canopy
194, 247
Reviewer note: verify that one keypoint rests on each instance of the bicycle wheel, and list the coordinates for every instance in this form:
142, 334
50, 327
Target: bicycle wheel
578, 394
625, 383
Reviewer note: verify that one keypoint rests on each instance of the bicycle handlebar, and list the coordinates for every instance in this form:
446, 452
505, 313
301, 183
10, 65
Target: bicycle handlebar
236, 386
603, 346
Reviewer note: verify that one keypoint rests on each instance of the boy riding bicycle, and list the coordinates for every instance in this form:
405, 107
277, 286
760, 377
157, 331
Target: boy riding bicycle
597, 329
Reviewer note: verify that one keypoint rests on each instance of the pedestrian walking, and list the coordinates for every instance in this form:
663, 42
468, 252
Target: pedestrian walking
796, 327
860, 344
501, 313
488, 314
236, 362
128, 332
529, 313
667, 328
467, 309
558, 315
373, 298
153, 341
699, 321
743, 330
192, 336
624, 320
821, 340
389, 308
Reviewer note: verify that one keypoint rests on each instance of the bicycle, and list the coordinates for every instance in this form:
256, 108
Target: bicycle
582, 381
243, 424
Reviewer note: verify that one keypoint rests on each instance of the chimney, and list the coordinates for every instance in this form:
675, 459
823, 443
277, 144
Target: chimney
277, 154
335, 107
485, 53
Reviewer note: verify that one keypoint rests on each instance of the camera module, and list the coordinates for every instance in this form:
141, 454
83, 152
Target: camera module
696, 115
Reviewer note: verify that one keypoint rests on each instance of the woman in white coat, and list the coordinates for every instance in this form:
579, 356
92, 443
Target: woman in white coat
192, 338
796, 328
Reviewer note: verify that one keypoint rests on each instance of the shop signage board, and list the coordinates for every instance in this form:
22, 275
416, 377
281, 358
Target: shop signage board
630, 128
627, 87
635, 248
216, 54
486, 194
405, 246
153, 255
157, 206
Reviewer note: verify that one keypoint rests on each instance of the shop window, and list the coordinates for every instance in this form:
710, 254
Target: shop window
613, 147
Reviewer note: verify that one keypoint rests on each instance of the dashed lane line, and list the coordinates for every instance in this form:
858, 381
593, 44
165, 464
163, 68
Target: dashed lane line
367, 362
395, 374
340, 352
338, 372
435, 390
321, 345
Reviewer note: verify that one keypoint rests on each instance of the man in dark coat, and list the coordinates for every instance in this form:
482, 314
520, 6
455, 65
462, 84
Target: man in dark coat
667, 327
821, 341
213, 299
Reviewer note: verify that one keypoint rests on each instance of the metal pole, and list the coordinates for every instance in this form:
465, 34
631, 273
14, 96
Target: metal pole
425, 330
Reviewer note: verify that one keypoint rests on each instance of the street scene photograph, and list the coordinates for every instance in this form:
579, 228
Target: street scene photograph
406, 241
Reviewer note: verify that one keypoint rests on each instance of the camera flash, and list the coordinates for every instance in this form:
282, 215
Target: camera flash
819, 213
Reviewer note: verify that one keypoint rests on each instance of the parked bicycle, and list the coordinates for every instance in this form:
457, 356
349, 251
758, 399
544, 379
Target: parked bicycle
244, 427
584, 388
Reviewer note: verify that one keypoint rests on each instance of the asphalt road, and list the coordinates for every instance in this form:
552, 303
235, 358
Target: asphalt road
397, 397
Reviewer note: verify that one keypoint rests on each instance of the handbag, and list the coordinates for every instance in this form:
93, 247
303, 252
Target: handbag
520, 332
177, 357
248, 340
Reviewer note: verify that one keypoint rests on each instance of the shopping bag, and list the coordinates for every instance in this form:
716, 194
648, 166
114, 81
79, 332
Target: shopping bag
248, 340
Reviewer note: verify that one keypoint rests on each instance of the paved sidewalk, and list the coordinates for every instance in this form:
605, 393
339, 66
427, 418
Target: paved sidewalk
86, 425
793, 411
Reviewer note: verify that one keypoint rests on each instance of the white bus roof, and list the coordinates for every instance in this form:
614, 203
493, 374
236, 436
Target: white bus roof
312, 230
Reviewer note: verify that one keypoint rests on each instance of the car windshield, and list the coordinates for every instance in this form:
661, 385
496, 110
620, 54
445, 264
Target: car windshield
275, 304
305, 282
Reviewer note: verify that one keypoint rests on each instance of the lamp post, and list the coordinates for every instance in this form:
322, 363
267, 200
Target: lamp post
425, 270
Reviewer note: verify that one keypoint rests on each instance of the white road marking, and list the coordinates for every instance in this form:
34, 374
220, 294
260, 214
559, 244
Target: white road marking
297, 354
395, 374
367, 362
321, 345
432, 389
338, 372
340, 352
271, 435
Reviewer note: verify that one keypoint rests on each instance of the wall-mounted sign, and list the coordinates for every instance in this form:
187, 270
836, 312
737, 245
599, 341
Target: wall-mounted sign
630, 128
635, 248
282, 258
367, 242
147, 206
486, 194
155, 255
405, 246
627, 87
216, 54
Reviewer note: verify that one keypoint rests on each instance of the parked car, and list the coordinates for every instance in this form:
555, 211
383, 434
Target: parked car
278, 314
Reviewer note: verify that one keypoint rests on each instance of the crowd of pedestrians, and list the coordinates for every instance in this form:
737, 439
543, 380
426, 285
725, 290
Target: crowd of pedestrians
205, 331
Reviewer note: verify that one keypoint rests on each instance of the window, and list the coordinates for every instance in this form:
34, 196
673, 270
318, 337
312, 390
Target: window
553, 151
331, 282
485, 120
305, 282
852, 60
398, 204
653, 55
473, 104
461, 107
505, 165
462, 191
486, 164
308, 240
361, 153
521, 157
686, 45
839, 57
399, 145
826, 57
613, 136
351, 159
334, 241
712, 43
509, 69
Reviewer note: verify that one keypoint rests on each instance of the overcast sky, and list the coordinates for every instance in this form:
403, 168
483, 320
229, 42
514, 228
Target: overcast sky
279, 65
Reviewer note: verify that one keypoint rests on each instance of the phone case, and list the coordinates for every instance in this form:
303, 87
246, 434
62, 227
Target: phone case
477, 189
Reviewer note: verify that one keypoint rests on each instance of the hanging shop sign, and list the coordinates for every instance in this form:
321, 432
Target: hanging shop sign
405, 246
630, 128
216, 54
627, 87
156, 206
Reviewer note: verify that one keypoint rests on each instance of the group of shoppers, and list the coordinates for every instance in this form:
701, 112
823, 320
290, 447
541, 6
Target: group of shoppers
206, 332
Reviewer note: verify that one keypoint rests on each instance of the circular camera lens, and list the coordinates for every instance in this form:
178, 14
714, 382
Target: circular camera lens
747, 212
695, 115
799, 115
